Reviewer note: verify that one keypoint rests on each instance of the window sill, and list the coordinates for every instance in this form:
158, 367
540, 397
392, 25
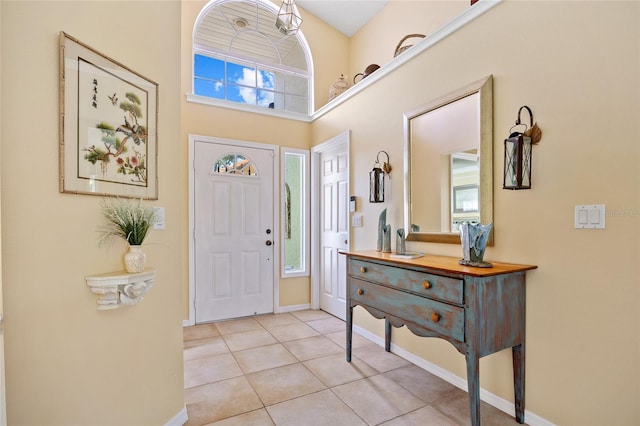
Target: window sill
247, 108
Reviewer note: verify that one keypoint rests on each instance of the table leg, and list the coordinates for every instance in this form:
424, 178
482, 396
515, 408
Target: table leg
349, 331
473, 383
387, 335
518, 380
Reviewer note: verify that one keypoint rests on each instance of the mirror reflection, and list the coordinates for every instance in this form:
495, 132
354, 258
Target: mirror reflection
448, 157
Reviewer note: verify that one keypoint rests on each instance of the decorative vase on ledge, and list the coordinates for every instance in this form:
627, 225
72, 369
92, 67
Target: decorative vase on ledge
135, 259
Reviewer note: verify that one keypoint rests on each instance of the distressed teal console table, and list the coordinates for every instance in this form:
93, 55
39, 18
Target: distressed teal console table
478, 310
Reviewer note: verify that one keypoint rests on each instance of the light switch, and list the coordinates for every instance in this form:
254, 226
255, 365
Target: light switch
589, 216
356, 220
159, 218
583, 217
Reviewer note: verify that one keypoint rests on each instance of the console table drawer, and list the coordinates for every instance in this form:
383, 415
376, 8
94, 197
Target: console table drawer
442, 318
429, 285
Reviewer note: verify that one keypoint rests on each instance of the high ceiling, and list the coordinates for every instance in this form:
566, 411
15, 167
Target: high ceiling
347, 16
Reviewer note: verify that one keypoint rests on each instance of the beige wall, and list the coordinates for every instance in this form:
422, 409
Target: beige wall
376, 42
66, 362
63, 357
576, 64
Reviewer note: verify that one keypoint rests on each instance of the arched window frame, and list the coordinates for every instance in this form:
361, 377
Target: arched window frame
299, 36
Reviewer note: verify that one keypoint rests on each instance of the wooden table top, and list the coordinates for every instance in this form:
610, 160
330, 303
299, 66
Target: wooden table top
443, 263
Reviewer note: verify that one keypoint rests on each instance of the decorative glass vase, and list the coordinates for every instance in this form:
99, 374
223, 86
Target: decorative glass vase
474, 237
135, 259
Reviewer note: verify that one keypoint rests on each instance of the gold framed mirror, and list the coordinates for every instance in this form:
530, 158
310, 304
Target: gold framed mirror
448, 159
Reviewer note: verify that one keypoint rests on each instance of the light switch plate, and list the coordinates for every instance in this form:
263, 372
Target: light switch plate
356, 220
589, 216
159, 218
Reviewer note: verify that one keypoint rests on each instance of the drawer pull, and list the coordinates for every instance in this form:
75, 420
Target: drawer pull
426, 285
360, 292
363, 269
435, 317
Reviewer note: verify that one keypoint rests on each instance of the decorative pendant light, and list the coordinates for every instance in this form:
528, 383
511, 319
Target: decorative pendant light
288, 20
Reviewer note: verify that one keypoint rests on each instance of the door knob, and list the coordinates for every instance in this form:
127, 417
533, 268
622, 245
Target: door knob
268, 242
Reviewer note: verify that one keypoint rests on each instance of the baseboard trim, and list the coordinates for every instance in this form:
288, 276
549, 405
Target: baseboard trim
280, 310
502, 404
179, 419
294, 308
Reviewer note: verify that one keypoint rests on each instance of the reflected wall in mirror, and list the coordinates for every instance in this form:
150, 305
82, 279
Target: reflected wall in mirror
449, 164
295, 212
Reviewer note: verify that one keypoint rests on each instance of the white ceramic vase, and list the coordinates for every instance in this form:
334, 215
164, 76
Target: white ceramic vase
135, 259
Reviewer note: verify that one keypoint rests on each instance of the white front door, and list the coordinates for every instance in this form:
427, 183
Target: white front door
334, 228
234, 235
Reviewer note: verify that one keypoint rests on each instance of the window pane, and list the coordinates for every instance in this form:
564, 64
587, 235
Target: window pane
296, 85
278, 101
240, 94
265, 98
295, 204
210, 68
235, 164
241, 74
293, 220
250, 85
266, 79
212, 89
296, 104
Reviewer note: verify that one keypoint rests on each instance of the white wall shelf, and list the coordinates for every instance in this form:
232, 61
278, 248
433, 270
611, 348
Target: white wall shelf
116, 289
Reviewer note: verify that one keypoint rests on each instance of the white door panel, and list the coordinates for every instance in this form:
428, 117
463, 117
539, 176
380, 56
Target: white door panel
233, 235
334, 233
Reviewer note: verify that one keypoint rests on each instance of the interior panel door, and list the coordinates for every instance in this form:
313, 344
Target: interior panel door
334, 232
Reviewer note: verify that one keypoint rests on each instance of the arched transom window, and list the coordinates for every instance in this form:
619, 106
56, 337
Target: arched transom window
240, 56
234, 164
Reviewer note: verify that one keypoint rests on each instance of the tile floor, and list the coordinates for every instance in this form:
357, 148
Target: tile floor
290, 369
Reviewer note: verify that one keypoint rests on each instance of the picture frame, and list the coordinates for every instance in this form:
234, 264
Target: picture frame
465, 199
108, 125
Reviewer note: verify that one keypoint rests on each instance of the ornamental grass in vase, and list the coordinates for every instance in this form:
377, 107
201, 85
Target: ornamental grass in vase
131, 221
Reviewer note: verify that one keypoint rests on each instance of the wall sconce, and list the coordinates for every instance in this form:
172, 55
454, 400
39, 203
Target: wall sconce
288, 20
376, 179
518, 153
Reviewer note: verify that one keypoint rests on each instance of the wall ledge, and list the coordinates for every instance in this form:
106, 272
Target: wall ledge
116, 289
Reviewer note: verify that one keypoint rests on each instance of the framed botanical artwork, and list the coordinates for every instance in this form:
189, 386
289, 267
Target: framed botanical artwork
108, 125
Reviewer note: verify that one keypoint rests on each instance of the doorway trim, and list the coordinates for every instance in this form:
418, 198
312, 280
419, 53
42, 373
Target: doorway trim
276, 216
341, 140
